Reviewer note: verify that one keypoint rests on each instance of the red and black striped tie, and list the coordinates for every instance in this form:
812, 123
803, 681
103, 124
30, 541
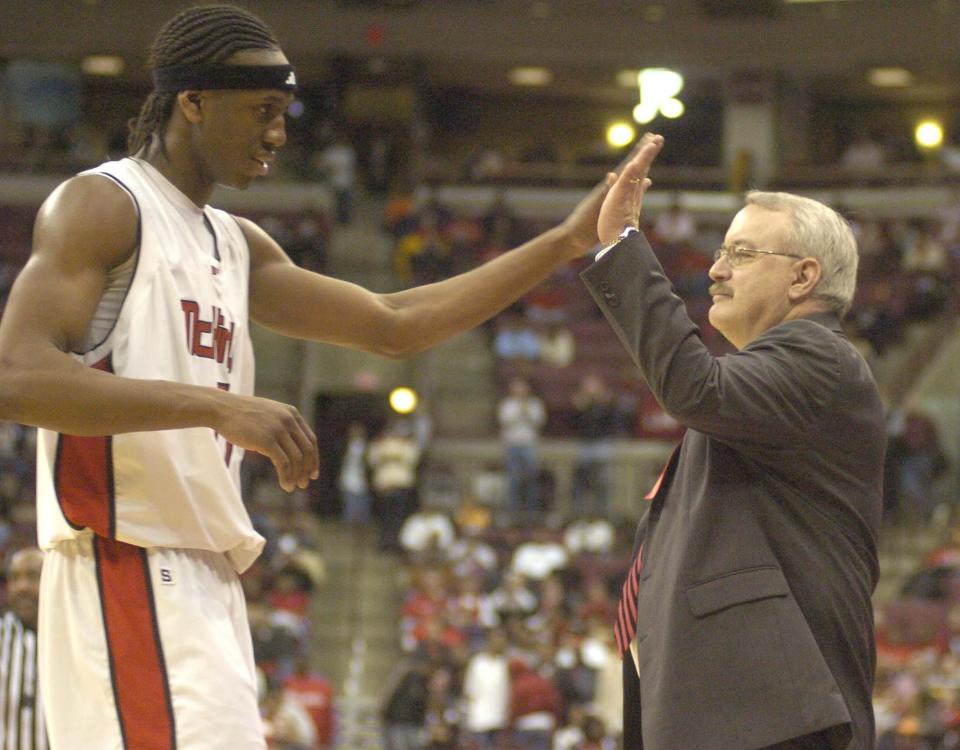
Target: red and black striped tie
626, 626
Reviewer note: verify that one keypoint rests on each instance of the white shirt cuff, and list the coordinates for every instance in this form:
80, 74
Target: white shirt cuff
623, 235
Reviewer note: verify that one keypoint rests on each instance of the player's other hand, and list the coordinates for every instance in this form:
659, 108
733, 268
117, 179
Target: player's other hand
275, 430
626, 188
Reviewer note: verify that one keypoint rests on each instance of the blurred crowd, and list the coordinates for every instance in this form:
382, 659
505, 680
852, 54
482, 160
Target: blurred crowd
507, 635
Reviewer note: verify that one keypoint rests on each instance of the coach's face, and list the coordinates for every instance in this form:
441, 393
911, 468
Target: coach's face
23, 585
750, 295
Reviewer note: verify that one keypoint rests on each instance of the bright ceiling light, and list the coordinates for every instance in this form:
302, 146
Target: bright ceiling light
645, 111
929, 134
659, 83
672, 108
620, 134
529, 76
403, 400
889, 77
102, 65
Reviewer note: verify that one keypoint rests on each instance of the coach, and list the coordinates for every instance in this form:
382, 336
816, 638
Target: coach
747, 621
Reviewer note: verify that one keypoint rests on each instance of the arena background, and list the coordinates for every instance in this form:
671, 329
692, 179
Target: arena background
455, 161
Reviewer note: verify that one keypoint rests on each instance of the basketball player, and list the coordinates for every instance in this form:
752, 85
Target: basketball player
125, 340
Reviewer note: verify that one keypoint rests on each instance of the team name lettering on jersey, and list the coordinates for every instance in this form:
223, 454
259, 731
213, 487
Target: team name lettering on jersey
210, 339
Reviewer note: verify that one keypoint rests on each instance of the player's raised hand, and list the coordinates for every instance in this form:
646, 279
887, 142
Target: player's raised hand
624, 198
277, 431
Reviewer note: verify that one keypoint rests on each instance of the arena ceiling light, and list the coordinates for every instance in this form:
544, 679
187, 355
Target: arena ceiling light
658, 91
620, 134
889, 77
531, 76
929, 134
403, 400
102, 65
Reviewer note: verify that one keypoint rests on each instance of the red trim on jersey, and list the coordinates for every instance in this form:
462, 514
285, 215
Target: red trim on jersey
137, 667
83, 478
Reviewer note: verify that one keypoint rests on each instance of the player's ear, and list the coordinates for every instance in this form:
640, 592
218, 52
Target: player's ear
190, 103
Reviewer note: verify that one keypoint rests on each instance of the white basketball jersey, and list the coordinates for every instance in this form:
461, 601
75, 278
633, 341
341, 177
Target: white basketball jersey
184, 319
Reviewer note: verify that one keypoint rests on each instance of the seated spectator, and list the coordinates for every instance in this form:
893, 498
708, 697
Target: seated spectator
315, 694
592, 536
286, 723
394, 457
515, 340
596, 420
513, 595
404, 707
534, 707
472, 610
471, 557
429, 599
548, 302
427, 534
486, 693
539, 557
557, 346
676, 226
570, 736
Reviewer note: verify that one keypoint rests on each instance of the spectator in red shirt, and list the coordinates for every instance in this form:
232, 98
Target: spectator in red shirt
315, 694
534, 707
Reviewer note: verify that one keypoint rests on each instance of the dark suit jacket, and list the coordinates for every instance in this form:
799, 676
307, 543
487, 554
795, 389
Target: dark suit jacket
755, 623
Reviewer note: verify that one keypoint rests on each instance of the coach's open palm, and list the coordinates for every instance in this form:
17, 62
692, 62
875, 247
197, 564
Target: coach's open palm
623, 201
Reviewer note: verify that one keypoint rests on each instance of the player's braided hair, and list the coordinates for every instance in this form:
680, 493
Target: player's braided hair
203, 34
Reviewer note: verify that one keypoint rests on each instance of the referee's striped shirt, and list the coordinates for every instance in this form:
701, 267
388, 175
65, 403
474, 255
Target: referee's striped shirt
21, 710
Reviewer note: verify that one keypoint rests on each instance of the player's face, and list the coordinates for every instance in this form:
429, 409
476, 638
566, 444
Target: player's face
240, 131
23, 585
751, 298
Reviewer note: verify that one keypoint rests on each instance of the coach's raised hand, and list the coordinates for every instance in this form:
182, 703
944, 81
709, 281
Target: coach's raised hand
624, 198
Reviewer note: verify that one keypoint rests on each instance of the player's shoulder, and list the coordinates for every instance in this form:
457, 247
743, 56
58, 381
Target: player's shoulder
88, 210
89, 198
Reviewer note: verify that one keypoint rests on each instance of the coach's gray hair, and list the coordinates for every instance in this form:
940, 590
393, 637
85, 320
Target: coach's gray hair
817, 231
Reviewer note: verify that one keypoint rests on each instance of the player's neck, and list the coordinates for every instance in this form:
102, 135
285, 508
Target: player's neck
183, 171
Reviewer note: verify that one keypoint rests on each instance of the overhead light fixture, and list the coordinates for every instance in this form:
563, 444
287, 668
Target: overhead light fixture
658, 91
530, 76
403, 400
889, 77
102, 65
672, 108
929, 134
620, 134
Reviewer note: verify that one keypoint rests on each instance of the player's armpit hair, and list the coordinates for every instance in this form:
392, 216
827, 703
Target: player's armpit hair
203, 34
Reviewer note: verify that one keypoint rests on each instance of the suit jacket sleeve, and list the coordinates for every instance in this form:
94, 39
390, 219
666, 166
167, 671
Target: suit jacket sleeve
771, 392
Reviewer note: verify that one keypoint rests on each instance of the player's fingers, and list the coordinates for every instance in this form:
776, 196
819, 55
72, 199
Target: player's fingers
307, 443
293, 463
281, 462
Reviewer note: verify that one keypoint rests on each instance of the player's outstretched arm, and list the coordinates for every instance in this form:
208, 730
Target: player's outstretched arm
87, 226
298, 303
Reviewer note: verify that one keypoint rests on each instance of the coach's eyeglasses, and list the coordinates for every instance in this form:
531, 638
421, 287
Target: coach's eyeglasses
737, 256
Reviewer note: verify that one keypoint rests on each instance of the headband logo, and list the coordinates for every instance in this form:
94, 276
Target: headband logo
291, 79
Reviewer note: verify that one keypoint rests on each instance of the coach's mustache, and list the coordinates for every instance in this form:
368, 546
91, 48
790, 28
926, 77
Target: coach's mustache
720, 289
